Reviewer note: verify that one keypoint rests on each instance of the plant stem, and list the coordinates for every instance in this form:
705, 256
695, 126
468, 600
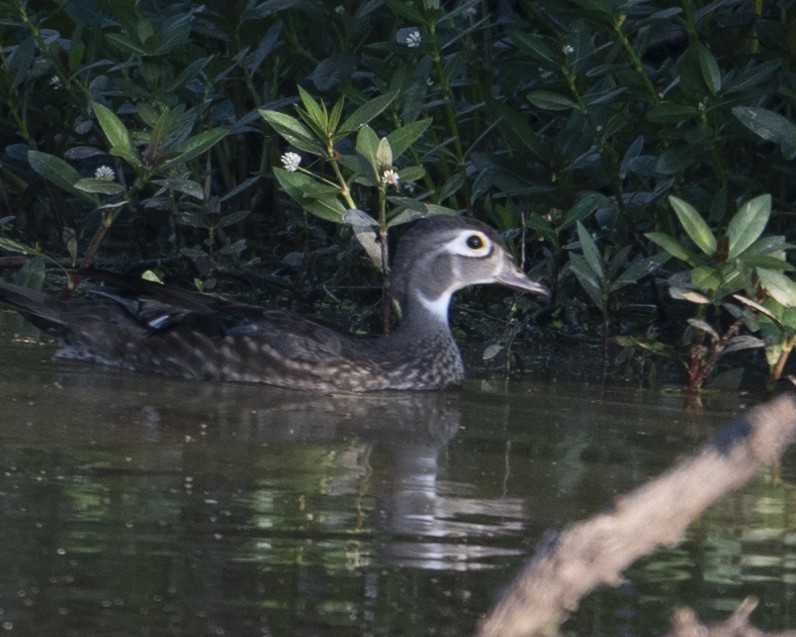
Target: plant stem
776, 371
386, 297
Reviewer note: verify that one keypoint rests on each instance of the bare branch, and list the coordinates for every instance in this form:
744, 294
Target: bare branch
570, 564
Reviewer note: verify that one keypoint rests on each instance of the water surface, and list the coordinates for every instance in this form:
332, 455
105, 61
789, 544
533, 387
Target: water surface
139, 506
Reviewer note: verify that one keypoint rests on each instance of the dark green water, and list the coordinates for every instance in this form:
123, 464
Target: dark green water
139, 506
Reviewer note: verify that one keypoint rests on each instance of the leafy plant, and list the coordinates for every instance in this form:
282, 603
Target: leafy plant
550, 112
371, 165
721, 267
166, 147
603, 275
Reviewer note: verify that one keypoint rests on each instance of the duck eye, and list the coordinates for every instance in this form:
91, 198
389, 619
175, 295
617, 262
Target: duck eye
475, 242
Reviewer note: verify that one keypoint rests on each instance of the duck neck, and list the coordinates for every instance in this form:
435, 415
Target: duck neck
420, 314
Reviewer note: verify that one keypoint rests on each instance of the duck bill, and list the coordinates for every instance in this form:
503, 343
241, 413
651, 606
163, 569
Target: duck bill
513, 277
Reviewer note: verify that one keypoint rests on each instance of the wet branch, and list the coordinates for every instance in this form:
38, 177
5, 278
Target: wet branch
568, 565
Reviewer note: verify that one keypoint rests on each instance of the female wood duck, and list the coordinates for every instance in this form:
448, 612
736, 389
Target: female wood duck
152, 328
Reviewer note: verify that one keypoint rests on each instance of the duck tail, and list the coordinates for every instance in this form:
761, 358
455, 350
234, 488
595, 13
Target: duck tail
35, 307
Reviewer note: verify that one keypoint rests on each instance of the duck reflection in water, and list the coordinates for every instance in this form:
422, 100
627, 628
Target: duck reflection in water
281, 445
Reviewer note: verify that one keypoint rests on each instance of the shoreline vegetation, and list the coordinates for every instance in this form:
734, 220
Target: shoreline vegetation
636, 158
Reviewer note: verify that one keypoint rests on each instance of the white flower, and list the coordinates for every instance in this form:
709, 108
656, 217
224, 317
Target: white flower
55, 82
390, 177
339, 9
105, 173
568, 49
291, 162
413, 39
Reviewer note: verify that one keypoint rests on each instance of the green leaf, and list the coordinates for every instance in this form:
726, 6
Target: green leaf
334, 116
769, 263
367, 112
770, 126
315, 112
704, 326
586, 204
401, 139
451, 186
119, 137
515, 128
694, 225
233, 218
360, 218
197, 145
334, 70
779, 286
672, 246
641, 268
16, 246
773, 245
173, 37
294, 131
20, 61
748, 224
590, 252
367, 148
58, 172
99, 186
432, 210
411, 173
675, 160
706, 278
709, 68
384, 155
687, 294
586, 278
550, 101
185, 186
669, 113
651, 346
314, 196
31, 274
534, 45
543, 227
125, 43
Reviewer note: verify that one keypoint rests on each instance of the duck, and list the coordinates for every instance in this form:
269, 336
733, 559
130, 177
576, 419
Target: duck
152, 328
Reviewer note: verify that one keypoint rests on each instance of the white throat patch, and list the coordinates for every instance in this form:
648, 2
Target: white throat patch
439, 306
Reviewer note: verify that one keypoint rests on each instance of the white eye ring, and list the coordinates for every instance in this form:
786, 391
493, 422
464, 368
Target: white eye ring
470, 243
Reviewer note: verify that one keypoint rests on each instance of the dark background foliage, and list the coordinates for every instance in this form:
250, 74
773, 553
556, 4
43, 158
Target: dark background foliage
544, 115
